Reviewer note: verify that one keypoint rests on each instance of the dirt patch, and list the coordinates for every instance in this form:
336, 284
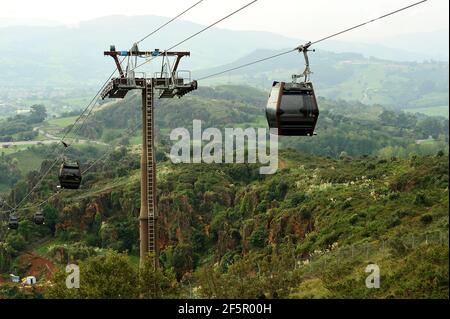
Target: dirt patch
37, 265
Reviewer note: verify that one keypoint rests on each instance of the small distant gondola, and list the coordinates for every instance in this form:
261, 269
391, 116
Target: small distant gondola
39, 218
70, 175
292, 108
13, 222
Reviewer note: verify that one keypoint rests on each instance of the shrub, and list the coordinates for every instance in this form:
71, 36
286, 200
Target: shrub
296, 199
426, 219
421, 200
353, 219
305, 214
262, 207
258, 239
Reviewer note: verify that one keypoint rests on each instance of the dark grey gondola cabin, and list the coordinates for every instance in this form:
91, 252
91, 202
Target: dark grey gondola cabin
292, 109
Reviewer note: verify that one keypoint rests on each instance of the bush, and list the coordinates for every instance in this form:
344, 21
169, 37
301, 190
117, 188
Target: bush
426, 219
16, 242
305, 214
262, 207
353, 219
258, 239
421, 200
102, 277
157, 284
296, 199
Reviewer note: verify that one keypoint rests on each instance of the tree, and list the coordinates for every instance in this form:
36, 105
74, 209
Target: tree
51, 217
16, 242
38, 114
430, 127
183, 260
157, 284
101, 277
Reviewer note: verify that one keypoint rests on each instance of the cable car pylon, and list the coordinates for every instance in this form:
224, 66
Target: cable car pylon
169, 85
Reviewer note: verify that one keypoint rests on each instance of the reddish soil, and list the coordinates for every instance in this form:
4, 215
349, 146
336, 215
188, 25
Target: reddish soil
38, 265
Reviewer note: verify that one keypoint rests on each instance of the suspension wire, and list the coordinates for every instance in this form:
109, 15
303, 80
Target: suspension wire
197, 33
225, 71
312, 43
89, 108
247, 64
129, 132
60, 156
150, 34
170, 21
112, 149
93, 101
40, 180
368, 22
4, 202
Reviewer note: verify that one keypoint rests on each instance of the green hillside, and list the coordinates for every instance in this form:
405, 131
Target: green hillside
308, 231
347, 76
371, 188
344, 126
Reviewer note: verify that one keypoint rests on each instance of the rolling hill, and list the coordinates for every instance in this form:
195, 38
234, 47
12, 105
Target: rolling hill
347, 76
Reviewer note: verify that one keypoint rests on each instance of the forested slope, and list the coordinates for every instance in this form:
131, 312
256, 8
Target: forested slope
308, 231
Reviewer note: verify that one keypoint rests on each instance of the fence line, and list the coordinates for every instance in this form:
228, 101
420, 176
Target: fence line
368, 250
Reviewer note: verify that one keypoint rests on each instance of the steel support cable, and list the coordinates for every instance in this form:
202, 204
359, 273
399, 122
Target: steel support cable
3, 202
170, 21
112, 149
368, 22
39, 182
92, 103
144, 38
129, 133
60, 155
312, 43
196, 34
247, 64
260, 60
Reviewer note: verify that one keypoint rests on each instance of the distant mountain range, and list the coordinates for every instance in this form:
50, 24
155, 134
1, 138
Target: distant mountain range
9, 22
61, 52
61, 56
347, 76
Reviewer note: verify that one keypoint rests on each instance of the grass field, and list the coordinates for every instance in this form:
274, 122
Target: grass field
62, 122
13, 149
28, 161
431, 111
42, 250
136, 140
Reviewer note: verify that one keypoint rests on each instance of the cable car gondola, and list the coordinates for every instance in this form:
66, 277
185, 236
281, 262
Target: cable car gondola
292, 108
70, 175
13, 222
39, 218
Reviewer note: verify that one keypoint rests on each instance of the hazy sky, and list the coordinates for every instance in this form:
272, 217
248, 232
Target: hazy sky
296, 18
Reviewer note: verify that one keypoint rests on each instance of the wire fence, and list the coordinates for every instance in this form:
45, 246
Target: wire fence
369, 252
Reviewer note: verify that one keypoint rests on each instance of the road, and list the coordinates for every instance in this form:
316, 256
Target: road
46, 134
51, 139
12, 144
